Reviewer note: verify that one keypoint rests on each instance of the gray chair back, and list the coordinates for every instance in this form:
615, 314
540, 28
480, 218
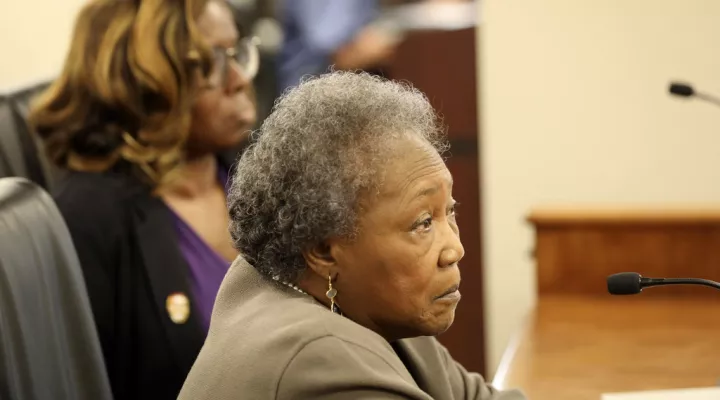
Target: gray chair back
21, 151
49, 349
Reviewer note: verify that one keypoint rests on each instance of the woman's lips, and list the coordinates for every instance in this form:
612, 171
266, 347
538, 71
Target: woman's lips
453, 293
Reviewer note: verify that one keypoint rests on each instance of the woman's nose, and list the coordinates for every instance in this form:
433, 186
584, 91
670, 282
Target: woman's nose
453, 250
238, 80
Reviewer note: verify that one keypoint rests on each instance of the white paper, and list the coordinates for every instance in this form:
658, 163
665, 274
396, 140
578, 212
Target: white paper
679, 394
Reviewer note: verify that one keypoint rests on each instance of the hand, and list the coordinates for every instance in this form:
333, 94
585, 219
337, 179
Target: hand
371, 47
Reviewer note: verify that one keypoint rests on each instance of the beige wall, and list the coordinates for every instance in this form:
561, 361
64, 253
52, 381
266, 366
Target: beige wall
34, 36
574, 110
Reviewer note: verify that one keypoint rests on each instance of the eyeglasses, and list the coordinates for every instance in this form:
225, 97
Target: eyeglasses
245, 53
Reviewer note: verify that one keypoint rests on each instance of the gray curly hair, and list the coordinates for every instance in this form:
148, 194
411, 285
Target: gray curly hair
324, 145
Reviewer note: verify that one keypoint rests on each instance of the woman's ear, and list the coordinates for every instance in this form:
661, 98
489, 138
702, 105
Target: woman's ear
320, 259
325, 258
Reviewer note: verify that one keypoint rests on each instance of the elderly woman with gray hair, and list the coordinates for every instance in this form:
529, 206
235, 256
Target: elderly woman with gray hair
344, 216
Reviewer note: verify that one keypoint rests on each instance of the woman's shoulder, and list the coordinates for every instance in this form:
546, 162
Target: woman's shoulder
290, 349
91, 192
315, 328
337, 354
292, 323
95, 183
93, 203
280, 315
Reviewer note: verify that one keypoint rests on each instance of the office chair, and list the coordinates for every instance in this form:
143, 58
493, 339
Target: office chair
49, 349
21, 151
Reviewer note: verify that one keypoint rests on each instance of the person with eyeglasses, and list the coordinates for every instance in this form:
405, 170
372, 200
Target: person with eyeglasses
146, 117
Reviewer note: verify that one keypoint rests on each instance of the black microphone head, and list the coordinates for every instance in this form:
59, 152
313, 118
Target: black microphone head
681, 89
624, 283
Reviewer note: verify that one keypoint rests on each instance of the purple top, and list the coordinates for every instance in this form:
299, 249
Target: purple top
206, 267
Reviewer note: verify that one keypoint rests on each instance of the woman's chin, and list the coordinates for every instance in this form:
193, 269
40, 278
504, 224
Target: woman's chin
439, 324
241, 135
442, 327
234, 139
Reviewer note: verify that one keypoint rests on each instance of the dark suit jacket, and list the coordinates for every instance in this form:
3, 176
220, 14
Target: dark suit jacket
268, 341
127, 246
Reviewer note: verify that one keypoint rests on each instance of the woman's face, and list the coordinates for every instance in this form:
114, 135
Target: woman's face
400, 275
222, 113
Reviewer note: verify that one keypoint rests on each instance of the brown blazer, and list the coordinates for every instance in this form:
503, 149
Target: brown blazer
268, 341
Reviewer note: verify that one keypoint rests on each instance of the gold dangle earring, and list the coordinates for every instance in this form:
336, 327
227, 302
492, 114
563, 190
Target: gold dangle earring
331, 293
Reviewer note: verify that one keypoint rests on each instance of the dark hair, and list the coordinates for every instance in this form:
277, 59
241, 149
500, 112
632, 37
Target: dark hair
318, 152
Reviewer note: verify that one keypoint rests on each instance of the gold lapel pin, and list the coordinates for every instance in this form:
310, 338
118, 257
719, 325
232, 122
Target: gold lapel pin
178, 307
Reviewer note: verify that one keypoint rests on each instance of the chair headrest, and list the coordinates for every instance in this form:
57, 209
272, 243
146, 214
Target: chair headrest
15, 189
21, 151
49, 347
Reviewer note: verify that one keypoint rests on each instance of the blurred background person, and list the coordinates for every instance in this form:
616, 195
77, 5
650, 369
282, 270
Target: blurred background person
153, 101
349, 34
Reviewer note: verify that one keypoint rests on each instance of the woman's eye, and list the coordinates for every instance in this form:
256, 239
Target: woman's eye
452, 210
423, 225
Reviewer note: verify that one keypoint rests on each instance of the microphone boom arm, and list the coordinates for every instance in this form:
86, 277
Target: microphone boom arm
649, 282
708, 98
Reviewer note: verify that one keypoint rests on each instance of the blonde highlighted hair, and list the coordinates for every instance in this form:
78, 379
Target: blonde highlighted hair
124, 97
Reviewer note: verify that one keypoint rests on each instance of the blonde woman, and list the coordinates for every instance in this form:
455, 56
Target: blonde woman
151, 93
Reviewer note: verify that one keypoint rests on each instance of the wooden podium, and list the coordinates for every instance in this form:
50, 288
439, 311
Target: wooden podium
442, 64
581, 342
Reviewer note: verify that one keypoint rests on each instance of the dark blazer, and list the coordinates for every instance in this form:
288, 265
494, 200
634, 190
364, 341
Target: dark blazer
128, 250
268, 341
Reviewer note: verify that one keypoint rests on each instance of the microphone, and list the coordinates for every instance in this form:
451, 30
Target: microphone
633, 283
686, 90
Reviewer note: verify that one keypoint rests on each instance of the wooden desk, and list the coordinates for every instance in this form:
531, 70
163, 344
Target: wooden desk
576, 348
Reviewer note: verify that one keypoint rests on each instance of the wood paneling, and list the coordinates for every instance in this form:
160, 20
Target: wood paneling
576, 250
442, 65
578, 347
570, 216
